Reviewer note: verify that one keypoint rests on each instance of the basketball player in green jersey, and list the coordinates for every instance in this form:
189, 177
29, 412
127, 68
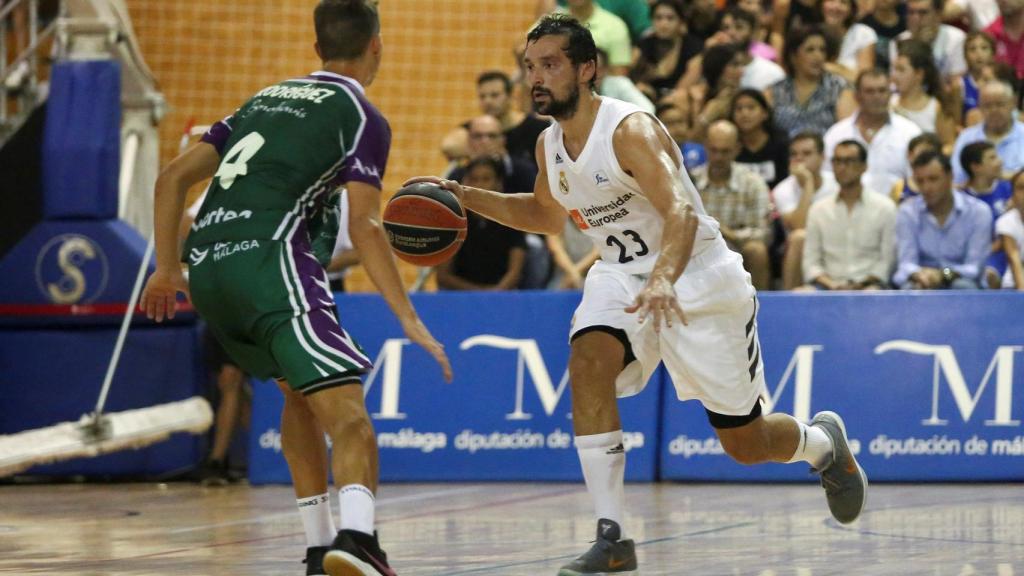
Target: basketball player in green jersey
275, 163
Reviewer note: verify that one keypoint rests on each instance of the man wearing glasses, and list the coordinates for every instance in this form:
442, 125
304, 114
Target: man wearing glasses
850, 243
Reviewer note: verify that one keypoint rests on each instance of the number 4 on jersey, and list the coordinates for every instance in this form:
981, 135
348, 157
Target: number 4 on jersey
234, 163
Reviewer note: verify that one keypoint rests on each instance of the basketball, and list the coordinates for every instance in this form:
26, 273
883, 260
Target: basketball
425, 224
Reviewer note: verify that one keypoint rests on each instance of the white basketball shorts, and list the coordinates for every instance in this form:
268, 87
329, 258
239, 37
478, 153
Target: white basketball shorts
715, 359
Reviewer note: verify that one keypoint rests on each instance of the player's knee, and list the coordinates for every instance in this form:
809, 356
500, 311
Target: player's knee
230, 379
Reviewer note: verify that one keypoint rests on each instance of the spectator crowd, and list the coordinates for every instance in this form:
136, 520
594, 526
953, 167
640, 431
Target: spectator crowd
841, 144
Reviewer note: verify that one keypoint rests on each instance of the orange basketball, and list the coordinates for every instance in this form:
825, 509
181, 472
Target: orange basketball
425, 224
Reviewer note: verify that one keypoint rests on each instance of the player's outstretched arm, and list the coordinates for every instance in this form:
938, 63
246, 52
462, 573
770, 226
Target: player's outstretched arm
537, 212
643, 150
195, 164
368, 237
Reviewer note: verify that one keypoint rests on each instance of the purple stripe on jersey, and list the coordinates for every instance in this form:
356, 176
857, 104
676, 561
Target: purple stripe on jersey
369, 159
316, 290
218, 135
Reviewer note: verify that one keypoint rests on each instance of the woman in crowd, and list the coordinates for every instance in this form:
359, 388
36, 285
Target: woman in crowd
856, 41
764, 149
919, 90
722, 70
811, 98
664, 54
980, 53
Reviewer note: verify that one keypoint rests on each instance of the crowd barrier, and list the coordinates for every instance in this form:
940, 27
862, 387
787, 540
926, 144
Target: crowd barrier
925, 382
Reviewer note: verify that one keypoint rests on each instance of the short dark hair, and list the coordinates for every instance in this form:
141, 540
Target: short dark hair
869, 73
979, 35
580, 48
490, 162
716, 58
972, 154
930, 138
814, 137
495, 76
928, 157
740, 15
344, 28
862, 152
919, 55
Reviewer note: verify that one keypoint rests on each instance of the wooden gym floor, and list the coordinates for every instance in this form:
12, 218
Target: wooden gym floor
517, 530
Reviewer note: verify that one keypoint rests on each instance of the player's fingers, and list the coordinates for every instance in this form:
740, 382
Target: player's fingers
679, 312
172, 305
656, 311
158, 309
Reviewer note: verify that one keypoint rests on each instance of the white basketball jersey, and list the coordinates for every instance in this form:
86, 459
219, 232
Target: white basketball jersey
606, 203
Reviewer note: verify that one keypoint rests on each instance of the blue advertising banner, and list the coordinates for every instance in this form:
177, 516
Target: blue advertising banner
506, 415
925, 382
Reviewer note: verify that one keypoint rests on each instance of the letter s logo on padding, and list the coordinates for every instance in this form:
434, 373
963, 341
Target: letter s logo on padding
71, 269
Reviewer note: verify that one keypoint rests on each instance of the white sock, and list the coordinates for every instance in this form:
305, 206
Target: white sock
604, 468
356, 503
317, 520
815, 446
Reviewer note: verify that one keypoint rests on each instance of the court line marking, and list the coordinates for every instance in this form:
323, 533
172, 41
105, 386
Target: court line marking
382, 503
92, 564
491, 569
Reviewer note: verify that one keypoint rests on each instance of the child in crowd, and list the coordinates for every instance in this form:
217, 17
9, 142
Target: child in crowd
979, 51
984, 171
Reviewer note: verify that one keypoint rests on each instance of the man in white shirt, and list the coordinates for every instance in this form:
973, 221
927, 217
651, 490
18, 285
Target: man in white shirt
850, 241
885, 135
806, 184
924, 22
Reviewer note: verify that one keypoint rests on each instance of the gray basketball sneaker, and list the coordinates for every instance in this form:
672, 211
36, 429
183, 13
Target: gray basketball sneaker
608, 555
844, 481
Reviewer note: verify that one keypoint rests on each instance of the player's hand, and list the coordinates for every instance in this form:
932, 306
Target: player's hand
658, 298
416, 331
160, 296
450, 185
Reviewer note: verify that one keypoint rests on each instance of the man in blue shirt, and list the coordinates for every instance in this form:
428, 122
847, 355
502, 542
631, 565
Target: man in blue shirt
943, 236
999, 127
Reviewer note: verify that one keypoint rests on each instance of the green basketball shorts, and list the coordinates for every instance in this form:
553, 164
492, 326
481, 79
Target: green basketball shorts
269, 304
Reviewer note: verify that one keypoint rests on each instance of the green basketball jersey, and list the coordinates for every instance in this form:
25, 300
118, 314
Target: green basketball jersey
285, 154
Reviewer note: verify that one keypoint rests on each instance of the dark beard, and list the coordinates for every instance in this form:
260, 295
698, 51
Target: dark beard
559, 109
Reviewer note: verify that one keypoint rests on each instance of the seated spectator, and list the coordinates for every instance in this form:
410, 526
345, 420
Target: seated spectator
793, 197
944, 235
680, 127
487, 139
856, 41
619, 87
885, 135
609, 31
919, 91
701, 18
979, 51
764, 42
633, 12
493, 256
573, 253
984, 182
811, 99
998, 126
888, 21
763, 149
665, 53
924, 22
494, 95
1010, 231
850, 241
737, 27
738, 199
722, 70
1007, 30
906, 187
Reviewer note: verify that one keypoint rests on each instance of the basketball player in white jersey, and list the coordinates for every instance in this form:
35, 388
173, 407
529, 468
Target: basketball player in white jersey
667, 288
